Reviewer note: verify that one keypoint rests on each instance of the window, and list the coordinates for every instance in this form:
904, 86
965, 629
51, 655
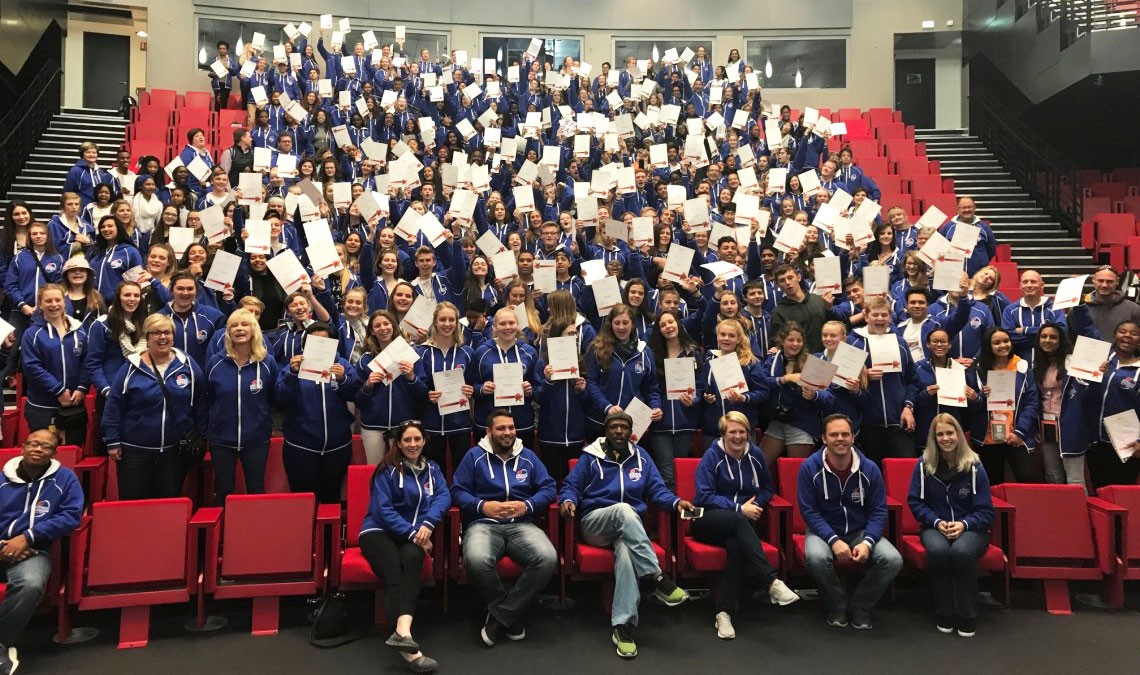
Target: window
210, 31
655, 49
810, 64
508, 50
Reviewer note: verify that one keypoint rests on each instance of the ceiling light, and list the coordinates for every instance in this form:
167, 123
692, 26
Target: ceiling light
927, 25
141, 33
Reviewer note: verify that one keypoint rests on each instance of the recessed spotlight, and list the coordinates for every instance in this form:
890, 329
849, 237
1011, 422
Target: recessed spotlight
927, 25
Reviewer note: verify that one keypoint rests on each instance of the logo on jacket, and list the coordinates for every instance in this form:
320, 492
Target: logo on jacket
182, 381
975, 322
857, 495
116, 263
521, 475
639, 367
51, 267
255, 386
964, 491
203, 336
634, 474
42, 508
1128, 383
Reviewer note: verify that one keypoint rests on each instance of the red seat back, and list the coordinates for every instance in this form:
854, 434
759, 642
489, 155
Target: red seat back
268, 534
925, 184
889, 201
1127, 175
154, 114
1050, 521
1114, 191
846, 114
901, 147
875, 167
359, 494
165, 97
1086, 177
138, 543
910, 166
1114, 228
198, 99
1094, 205
1131, 205
1127, 496
889, 130
948, 204
787, 472
864, 149
880, 116
897, 473
685, 470
857, 128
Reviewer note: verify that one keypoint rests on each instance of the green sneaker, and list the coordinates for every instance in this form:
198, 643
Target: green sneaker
623, 640
669, 592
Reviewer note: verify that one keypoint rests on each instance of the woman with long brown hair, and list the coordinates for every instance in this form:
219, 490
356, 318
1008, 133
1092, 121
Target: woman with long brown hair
619, 367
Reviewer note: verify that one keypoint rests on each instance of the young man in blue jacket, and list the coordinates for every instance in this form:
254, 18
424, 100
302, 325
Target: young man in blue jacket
612, 482
40, 503
499, 487
844, 504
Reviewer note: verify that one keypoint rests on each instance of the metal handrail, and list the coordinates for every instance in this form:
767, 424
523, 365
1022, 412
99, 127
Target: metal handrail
1045, 173
27, 120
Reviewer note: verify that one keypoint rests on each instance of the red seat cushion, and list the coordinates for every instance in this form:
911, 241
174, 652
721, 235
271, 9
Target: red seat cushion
708, 558
914, 555
354, 569
595, 560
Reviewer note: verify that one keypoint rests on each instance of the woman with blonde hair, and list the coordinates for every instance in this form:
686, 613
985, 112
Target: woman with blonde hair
731, 341
950, 498
984, 287
561, 306
516, 295
448, 432
239, 389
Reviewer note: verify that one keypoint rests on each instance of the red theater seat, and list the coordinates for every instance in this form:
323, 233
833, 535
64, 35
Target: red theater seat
1125, 563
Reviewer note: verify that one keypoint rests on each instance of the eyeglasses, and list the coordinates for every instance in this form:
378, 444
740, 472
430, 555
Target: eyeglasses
160, 333
42, 445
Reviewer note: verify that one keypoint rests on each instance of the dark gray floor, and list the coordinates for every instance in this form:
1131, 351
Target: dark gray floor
792, 639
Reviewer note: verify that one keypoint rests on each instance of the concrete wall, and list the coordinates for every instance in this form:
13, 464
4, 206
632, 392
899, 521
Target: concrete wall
22, 23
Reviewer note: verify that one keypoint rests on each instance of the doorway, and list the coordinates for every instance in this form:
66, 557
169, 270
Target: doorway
106, 69
914, 91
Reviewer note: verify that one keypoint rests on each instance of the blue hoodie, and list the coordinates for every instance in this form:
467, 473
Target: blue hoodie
927, 406
1029, 319
25, 276
620, 381
966, 498
561, 409
966, 342
727, 483
597, 481
383, 406
806, 415
240, 398
484, 371
433, 360
53, 363
138, 416
317, 417
403, 500
82, 179
193, 330
1026, 407
483, 476
831, 509
675, 416
104, 356
1114, 394
44, 510
758, 392
109, 265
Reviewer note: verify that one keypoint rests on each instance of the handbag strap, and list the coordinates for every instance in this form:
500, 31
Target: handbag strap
161, 384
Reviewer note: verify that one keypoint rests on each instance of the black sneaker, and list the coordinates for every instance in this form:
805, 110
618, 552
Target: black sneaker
516, 632
860, 621
837, 619
966, 627
9, 661
491, 632
623, 640
944, 624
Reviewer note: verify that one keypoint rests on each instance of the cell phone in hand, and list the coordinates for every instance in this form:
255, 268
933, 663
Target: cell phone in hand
693, 513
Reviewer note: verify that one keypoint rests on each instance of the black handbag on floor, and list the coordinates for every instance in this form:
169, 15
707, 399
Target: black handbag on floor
330, 622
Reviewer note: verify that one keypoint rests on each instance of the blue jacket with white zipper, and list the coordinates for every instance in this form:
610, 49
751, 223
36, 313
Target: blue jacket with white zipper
894, 391
483, 476
139, 417
966, 498
104, 356
597, 481
433, 360
1026, 408
675, 416
620, 381
53, 363
806, 415
383, 406
317, 417
240, 398
758, 392
109, 264
561, 409
832, 509
483, 371
724, 482
25, 276
402, 500
193, 330
44, 510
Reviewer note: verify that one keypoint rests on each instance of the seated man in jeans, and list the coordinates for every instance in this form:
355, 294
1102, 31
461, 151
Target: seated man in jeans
40, 502
844, 505
500, 486
612, 481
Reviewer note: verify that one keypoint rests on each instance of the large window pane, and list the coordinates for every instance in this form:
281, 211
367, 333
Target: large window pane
508, 50
655, 49
821, 63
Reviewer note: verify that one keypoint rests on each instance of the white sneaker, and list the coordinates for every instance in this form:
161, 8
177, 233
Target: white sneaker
780, 594
724, 629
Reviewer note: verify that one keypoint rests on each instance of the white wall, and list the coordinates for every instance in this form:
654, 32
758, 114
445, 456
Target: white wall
73, 56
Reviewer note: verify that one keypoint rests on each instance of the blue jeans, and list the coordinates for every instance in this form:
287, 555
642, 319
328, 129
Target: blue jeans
665, 448
953, 570
484, 544
620, 526
27, 581
882, 569
252, 458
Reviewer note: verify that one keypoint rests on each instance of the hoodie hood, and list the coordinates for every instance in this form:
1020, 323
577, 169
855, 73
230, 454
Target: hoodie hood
1115, 299
485, 443
11, 465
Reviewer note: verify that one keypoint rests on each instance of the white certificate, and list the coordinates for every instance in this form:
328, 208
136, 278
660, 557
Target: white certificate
1088, 357
678, 263
697, 214
199, 168
641, 415
722, 269
948, 274
180, 239
545, 276
1069, 292
728, 374
951, 386
250, 186
288, 271
606, 294
260, 97
323, 258
809, 181
935, 249
258, 239
432, 229
450, 385
286, 165
508, 378
817, 374
777, 180
319, 356
419, 316
1003, 390
505, 265
680, 377
885, 353
828, 276
877, 281
219, 69
562, 353
850, 361
932, 218
387, 362
1123, 429
965, 238
489, 244
214, 223
791, 236
524, 198
223, 271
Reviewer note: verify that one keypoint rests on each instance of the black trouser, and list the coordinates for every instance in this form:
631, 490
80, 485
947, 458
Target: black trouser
448, 449
146, 474
879, 442
321, 474
556, 458
221, 97
399, 564
746, 558
1105, 467
225, 458
73, 430
952, 567
1027, 466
